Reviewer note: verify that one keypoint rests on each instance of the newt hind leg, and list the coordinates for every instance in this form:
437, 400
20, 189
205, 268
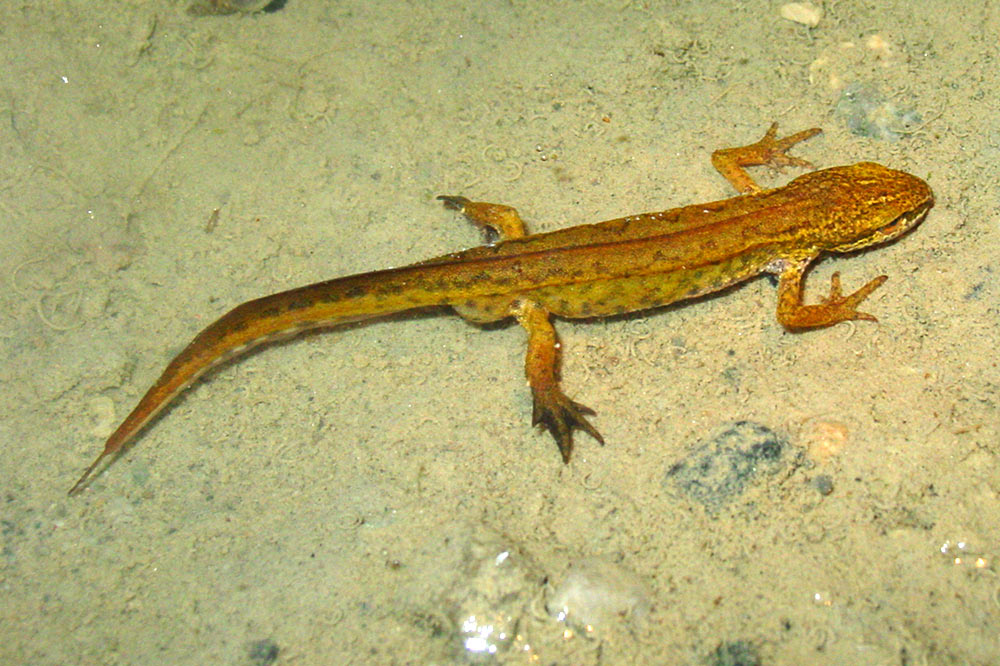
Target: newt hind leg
551, 407
499, 222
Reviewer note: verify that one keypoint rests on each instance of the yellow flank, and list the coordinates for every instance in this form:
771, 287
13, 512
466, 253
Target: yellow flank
622, 265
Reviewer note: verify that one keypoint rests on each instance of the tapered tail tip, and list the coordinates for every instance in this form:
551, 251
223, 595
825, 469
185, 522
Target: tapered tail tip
82, 482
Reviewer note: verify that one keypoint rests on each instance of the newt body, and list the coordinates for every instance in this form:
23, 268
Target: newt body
622, 265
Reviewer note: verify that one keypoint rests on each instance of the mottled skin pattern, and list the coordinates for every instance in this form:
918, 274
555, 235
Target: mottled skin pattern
622, 265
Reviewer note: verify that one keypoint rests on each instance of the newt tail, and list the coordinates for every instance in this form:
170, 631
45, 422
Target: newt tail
271, 318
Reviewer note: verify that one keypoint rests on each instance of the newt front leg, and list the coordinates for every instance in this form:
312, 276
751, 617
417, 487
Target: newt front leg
792, 312
769, 151
835, 308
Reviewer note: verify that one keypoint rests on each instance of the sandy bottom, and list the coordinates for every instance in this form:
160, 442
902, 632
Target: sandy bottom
376, 494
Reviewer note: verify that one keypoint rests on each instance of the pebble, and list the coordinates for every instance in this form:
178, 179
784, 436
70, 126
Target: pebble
596, 594
805, 13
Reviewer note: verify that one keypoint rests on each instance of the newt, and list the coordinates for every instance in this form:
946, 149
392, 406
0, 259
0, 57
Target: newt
623, 265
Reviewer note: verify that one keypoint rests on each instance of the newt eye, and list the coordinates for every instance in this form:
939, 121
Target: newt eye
904, 221
893, 227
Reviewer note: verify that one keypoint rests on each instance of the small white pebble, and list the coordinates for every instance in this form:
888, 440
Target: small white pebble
805, 13
878, 44
102, 419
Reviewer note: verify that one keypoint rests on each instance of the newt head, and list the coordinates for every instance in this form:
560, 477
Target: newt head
876, 205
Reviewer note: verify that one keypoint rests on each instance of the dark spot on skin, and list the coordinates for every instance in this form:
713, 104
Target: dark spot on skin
271, 312
299, 304
357, 291
392, 288
649, 299
620, 227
